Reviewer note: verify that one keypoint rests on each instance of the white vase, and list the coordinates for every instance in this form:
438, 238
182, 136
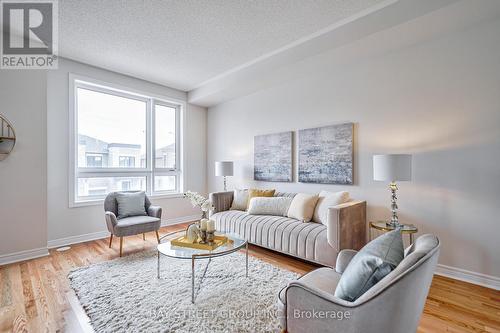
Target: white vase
192, 233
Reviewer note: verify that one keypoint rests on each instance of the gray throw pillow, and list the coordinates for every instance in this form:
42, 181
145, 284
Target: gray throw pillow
370, 265
131, 204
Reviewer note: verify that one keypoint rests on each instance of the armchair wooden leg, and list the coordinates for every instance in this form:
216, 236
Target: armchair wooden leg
143, 236
157, 236
110, 240
121, 245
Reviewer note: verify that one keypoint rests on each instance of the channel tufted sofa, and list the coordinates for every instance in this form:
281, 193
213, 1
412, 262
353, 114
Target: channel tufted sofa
311, 241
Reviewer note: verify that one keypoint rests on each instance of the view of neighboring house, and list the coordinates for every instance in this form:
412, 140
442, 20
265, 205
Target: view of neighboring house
95, 153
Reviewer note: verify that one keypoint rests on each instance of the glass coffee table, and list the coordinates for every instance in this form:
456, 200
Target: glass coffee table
235, 243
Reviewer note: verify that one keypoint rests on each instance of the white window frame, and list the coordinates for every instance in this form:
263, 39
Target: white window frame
150, 171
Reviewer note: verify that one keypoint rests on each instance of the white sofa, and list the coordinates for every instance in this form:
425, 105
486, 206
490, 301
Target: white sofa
314, 242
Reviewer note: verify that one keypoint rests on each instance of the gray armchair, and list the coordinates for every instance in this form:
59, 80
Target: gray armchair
132, 225
393, 305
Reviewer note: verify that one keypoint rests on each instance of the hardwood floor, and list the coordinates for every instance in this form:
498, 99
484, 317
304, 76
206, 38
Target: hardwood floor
35, 295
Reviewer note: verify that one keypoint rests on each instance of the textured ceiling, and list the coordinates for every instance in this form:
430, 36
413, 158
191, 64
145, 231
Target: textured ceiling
183, 43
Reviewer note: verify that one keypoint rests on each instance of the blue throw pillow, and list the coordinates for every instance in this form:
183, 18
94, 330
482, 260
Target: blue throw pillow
370, 265
131, 204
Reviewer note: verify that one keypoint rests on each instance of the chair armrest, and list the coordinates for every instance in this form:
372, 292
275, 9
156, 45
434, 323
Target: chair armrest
302, 299
346, 225
318, 293
221, 201
111, 221
343, 259
154, 211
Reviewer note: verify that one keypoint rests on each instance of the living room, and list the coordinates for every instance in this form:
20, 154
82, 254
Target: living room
250, 166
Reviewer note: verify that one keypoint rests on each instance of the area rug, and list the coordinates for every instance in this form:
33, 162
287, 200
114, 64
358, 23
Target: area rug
124, 295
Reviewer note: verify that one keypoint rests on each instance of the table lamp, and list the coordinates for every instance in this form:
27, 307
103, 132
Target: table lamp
392, 168
224, 169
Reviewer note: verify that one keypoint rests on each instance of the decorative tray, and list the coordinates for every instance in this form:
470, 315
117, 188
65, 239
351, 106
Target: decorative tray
183, 242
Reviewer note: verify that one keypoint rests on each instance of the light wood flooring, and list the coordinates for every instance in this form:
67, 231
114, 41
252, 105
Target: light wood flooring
35, 295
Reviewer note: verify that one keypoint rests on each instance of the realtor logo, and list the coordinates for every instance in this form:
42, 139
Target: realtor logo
29, 34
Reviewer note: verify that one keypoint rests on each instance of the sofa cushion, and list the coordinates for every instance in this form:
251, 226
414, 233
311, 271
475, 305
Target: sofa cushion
131, 204
324, 279
136, 225
303, 240
240, 200
269, 206
372, 263
302, 206
326, 200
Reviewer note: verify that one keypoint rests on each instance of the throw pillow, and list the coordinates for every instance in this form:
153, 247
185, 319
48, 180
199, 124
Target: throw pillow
240, 200
326, 200
269, 206
370, 265
302, 206
253, 193
131, 204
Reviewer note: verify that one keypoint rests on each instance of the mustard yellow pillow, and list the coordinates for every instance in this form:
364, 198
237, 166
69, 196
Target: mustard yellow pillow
254, 193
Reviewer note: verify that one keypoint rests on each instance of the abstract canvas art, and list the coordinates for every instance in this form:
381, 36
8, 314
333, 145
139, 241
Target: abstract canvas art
273, 157
325, 154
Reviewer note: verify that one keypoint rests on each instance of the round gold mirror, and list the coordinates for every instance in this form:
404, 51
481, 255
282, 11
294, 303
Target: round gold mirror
7, 138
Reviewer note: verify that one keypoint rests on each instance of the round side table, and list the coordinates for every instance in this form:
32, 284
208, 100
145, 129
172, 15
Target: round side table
408, 229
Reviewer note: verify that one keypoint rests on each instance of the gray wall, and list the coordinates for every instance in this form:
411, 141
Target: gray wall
439, 100
63, 221
34, 204
23, 176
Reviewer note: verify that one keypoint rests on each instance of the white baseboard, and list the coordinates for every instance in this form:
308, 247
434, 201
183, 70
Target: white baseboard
104, 234
484, 280
55, 243
23, 255
178, 220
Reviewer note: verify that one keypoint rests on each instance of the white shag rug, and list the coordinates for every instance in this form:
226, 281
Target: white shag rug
124, 295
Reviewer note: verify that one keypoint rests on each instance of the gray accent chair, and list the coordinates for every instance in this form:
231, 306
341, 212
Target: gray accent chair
132, 225
393, 305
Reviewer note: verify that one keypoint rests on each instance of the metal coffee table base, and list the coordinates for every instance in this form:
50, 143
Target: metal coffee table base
208, 256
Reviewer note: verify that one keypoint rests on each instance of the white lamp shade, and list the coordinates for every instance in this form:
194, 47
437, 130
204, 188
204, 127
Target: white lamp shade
224, 168
393, 167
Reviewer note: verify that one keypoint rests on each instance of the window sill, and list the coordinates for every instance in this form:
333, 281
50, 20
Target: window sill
98, 202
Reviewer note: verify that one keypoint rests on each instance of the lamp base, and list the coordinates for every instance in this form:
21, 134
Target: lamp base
394, 225
394, 222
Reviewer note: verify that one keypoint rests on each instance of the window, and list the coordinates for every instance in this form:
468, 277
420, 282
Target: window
127, 161
123, 141
126, 185
94, 160
165, 132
